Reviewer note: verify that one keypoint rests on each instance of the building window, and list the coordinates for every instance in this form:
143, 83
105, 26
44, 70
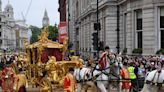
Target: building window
139, 36
77, 31
162, 26
162, 18
139, 28
0, 34
139, 19
162, 39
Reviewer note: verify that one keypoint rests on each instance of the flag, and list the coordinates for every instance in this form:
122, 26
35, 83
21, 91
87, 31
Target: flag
62, 31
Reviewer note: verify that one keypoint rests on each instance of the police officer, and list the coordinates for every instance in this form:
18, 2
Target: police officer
132, 75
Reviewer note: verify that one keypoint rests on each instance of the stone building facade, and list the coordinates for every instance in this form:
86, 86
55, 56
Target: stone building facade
62, 9
70, 19
12, 32
140, 24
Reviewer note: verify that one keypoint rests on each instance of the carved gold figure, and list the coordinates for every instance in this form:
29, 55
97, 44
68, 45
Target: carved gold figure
45, 64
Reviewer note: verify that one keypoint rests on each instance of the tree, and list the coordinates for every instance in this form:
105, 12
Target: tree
53, 33
35, 33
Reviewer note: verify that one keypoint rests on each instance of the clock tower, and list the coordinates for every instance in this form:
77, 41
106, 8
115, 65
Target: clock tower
45, 21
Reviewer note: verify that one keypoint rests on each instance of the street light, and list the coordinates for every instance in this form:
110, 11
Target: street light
118, 30
98, 28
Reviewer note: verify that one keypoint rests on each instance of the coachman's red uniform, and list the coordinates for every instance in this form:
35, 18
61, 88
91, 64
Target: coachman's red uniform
126, 84
102, 61
69, 83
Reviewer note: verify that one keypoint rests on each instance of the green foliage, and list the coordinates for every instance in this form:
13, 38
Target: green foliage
124, 50
161, 51
137, 51
35, 33
53, 33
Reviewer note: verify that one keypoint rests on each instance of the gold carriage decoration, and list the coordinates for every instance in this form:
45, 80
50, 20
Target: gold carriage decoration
45, 62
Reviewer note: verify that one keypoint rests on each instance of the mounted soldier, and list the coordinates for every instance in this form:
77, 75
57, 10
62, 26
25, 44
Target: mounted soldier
105, 56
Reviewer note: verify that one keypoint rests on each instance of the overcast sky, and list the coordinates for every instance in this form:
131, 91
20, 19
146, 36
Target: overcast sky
36, 12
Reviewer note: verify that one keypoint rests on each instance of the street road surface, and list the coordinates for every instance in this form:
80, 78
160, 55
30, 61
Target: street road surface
30, 89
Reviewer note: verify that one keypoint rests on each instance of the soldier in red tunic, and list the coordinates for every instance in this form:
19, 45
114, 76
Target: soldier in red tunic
104, 57
69, 82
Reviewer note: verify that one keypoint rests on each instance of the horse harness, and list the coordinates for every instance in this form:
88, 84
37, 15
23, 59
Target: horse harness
152, 81
103, 70
79, 80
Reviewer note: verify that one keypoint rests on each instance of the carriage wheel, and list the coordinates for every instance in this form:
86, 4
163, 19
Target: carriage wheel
45, 85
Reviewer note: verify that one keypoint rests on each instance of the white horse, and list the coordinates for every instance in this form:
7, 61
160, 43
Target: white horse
111, 71
154, 77
82, 75
100, 76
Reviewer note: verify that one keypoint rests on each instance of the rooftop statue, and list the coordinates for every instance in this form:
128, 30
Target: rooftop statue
44, 35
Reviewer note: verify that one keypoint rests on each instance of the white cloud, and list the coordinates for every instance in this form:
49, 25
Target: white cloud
36, 11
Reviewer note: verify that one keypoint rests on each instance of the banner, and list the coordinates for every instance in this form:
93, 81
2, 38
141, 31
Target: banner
62, 31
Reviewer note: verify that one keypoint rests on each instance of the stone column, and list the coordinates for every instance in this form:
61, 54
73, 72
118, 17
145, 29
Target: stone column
148, 30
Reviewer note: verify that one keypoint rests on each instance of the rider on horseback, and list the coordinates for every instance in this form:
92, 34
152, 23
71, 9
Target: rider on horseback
106, 55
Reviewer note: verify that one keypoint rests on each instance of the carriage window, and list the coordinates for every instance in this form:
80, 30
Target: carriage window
51, 52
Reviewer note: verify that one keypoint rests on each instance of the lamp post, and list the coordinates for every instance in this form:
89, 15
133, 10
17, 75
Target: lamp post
118, 30
98, 28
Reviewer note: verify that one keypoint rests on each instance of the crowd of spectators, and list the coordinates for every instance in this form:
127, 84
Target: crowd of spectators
142, 65
6, 60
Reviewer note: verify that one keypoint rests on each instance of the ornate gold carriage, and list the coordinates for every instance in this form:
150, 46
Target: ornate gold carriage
45, 64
